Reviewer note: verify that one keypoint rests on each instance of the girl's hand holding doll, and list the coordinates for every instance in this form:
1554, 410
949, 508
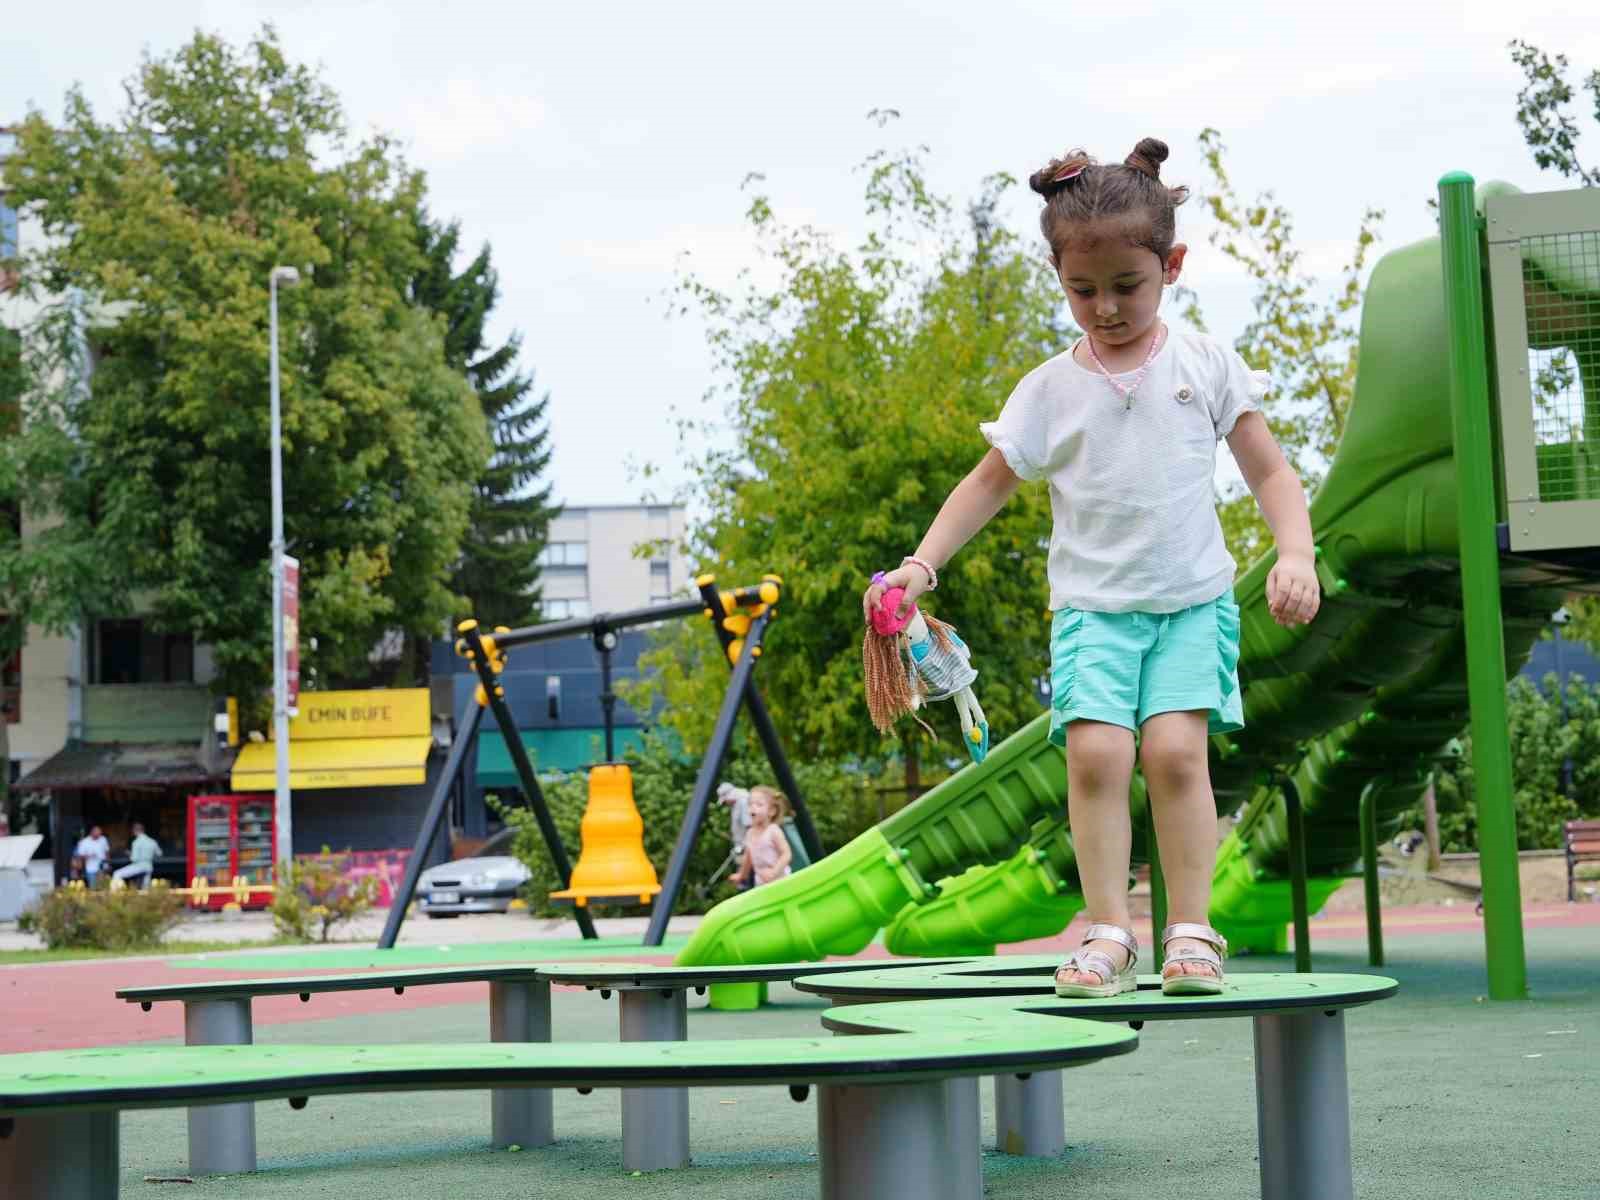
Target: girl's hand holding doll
912, 574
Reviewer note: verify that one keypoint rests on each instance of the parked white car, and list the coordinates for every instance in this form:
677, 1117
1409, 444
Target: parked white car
487, 882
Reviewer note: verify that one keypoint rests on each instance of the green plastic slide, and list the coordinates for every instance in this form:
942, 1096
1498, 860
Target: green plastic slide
1371, 692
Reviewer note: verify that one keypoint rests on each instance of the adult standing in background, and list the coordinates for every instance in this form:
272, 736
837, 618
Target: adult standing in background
94, 849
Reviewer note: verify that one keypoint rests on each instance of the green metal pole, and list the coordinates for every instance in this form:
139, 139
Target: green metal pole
1480, 589
1158, 888
1294, 819
1369, 869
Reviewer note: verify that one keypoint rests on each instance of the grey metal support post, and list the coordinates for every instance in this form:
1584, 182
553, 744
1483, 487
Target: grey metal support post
1029, 1114
1303, 1106
655, 1121
222, 1137
519, 1011
1369, 869
1295, 819
605, 641
467, 722
889, 1142
64, 1156
963, 1119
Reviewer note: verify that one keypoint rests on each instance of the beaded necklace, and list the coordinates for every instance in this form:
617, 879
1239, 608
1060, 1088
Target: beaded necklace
1126, 390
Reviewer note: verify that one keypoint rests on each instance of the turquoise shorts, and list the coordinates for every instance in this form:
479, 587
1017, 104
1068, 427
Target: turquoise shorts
1125, 667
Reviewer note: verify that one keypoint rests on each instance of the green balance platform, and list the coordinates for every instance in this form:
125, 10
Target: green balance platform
882, 1102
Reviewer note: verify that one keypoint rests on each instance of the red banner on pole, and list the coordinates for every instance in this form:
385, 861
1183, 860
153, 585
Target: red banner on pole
291, 633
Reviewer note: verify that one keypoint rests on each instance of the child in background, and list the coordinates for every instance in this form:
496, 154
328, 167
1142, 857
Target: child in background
766, 850
1124, 427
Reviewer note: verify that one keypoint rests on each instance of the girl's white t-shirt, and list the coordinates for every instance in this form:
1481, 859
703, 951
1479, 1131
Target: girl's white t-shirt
1131, 484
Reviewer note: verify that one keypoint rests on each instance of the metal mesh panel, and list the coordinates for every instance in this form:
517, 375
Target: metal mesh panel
1561, 289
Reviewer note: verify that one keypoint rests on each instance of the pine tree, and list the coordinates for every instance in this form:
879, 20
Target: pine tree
498, 571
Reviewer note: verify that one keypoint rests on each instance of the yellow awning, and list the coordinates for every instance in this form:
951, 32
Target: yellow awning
335, 763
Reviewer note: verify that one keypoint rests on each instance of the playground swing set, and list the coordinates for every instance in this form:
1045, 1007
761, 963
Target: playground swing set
612, 867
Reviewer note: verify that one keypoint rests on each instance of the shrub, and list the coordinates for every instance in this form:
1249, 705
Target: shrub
1541, 743
105, 918
663, 781
318, 895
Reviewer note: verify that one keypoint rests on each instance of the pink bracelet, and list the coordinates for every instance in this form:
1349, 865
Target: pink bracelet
933, 576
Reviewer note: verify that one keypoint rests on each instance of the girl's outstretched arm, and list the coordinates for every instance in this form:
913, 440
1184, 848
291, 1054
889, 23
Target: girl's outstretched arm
969, 507
1293, 595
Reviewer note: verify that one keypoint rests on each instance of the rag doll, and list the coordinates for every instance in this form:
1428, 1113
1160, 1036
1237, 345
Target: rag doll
916, 658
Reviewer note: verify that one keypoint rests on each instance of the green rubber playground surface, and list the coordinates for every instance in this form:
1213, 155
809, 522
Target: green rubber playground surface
1450, 1096
371, 959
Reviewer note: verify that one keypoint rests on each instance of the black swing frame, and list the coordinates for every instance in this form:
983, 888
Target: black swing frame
486, 652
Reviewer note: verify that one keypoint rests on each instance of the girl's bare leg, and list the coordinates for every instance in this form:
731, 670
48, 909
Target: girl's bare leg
1172, 754
1099, 770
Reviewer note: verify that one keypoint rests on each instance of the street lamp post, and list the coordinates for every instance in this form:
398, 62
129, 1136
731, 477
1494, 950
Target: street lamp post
283, 821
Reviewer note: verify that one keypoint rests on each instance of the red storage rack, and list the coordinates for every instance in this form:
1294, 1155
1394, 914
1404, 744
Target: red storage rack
232, 836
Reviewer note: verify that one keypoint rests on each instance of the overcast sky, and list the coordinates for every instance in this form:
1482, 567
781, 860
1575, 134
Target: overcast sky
593, 145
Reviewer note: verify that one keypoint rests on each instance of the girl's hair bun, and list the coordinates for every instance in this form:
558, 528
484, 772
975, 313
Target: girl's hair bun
1148, 156
1058, 172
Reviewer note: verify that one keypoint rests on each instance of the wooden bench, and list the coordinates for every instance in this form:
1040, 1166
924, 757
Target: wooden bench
882, 1123
1583, 846
1302, 1092
222, 1137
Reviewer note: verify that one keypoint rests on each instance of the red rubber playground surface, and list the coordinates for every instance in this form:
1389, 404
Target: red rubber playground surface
60, 1005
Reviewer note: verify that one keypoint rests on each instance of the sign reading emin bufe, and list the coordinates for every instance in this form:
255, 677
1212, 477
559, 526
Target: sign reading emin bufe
387, 713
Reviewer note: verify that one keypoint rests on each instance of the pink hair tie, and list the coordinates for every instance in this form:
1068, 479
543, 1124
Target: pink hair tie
1067, 173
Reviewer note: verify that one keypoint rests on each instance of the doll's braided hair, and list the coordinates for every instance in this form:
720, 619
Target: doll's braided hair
893, 686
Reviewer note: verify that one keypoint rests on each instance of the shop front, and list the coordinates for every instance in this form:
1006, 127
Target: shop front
112, 787
362, 765
140, 752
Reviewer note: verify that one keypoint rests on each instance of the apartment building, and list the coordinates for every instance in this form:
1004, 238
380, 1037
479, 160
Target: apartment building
609, 557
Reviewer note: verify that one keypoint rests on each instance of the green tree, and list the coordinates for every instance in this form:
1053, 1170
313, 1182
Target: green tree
224, 163
1555, 764
851, 384
1547, 125
1303, 333
498, 572
49, 577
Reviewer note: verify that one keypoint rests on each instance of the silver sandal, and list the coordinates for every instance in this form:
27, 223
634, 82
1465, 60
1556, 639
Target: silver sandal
1098, 961
1210, 955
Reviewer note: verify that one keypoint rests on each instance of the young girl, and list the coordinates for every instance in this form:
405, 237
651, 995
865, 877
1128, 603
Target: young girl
766, 850
1145, 639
